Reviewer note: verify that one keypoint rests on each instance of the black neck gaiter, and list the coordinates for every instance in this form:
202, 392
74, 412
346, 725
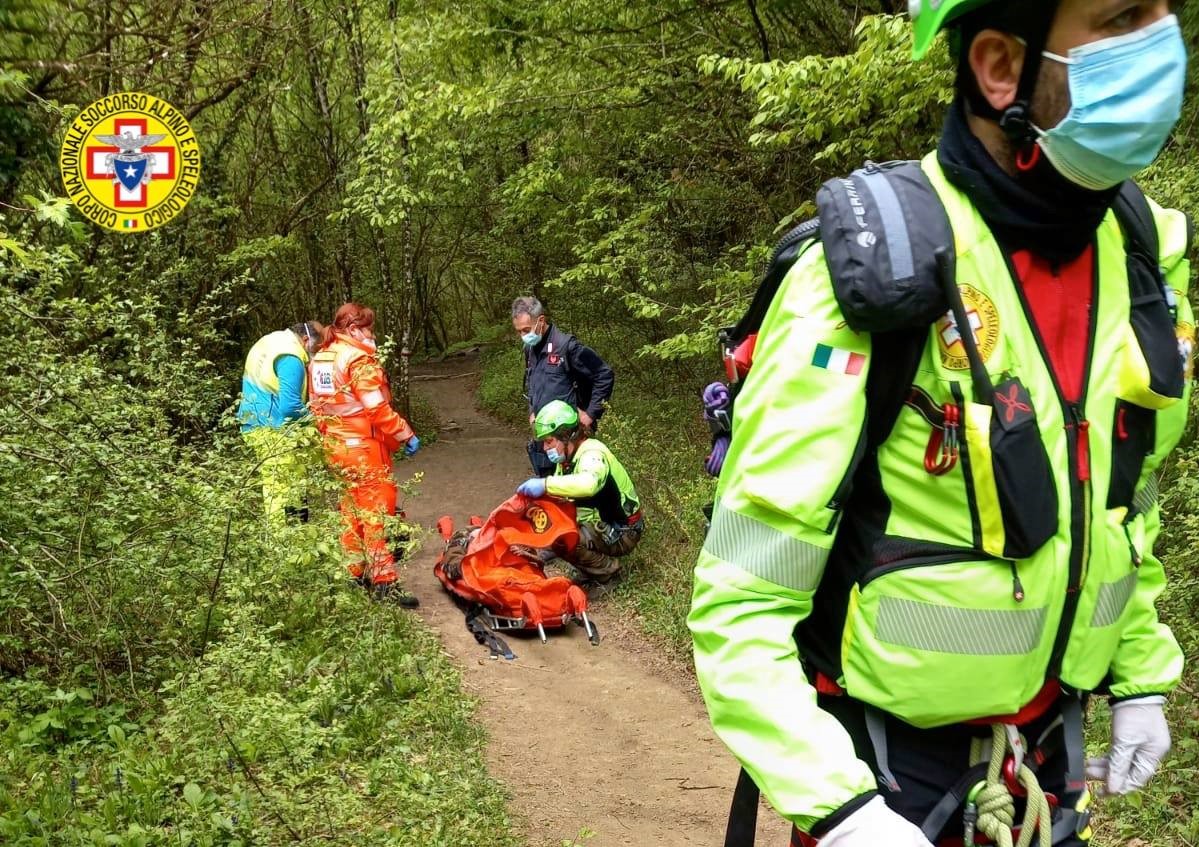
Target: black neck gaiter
1040, 211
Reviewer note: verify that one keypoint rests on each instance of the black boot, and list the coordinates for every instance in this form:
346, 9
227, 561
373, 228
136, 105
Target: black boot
392, 592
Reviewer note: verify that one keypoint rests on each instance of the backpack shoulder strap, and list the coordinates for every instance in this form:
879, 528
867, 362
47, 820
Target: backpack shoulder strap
1142, 245
1137, 222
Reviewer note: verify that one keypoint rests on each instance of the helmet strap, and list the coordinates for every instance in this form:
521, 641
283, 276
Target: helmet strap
1016, 120
1030, 21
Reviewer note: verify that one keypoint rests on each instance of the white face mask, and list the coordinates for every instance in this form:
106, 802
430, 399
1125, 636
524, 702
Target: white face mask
362, 338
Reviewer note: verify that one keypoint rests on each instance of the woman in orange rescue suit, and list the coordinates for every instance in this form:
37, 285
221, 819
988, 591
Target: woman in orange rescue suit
351, 400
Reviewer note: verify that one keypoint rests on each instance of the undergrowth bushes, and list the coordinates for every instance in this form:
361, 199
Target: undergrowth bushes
501, 385
172, 669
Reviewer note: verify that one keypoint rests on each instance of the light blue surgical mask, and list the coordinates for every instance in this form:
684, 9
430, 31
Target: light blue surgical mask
1126, 97
531, 338
554, 456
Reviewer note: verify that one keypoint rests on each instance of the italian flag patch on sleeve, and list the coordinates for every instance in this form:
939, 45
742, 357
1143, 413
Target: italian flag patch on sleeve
838, 361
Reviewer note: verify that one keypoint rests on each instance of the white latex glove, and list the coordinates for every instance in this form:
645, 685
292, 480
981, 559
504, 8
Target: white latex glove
1140, 740
875, 825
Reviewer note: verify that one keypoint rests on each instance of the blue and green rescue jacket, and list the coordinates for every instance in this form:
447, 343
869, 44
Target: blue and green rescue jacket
274, 386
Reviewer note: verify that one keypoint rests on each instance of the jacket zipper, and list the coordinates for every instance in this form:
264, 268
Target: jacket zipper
845, 486
945, 559
1077, 451
955, 557
1137, 559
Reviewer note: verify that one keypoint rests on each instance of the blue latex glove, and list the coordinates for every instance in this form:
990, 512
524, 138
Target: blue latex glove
412, 446
534, 487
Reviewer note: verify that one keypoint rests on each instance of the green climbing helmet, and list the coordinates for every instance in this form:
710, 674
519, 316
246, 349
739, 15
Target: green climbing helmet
931, 16
554, 418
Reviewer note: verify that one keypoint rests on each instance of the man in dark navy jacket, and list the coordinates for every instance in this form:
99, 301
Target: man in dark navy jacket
558, 367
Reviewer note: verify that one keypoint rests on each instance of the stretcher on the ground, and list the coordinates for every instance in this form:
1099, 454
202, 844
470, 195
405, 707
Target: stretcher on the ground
496, 569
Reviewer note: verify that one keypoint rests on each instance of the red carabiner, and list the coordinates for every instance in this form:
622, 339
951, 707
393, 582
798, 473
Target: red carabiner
942, 452
1010, 778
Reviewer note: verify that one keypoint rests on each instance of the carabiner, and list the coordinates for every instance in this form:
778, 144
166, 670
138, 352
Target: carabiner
944, 443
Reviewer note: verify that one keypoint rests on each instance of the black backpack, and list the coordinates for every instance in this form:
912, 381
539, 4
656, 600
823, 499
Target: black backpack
882, 229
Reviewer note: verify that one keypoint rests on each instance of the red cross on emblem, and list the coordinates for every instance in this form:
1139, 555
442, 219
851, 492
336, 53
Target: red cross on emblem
163, 165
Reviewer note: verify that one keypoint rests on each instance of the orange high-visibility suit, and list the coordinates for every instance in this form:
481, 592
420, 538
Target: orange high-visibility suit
351, 400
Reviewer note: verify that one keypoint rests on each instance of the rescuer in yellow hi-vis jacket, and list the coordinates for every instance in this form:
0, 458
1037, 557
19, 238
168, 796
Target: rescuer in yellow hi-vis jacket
896, 627
587, 472
274, 395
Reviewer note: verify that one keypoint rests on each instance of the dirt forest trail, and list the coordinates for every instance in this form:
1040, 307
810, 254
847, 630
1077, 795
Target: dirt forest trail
610, 739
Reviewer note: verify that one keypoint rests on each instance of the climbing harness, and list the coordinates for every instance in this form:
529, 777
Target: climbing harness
1003, 769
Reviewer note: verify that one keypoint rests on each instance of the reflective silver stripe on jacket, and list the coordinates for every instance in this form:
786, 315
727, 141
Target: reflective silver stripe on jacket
765, 552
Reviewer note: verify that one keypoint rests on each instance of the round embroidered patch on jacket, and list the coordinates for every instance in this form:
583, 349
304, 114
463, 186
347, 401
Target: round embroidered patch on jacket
984, 322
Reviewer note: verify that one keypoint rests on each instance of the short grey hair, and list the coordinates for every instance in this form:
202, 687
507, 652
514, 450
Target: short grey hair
530, 306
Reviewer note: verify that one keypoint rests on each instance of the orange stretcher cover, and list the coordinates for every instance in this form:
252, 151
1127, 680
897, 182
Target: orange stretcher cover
498, 571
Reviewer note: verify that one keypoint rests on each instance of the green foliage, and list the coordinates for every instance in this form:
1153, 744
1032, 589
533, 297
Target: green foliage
628, 163
319, 715
175, 670
502, 386
873, 103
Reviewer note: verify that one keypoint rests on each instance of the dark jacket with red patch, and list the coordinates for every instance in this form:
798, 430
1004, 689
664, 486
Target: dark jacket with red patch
561, 367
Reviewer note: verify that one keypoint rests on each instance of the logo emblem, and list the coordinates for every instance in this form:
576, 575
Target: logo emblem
1013, 401
538, 518
130, 162
984, 323
322, 378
